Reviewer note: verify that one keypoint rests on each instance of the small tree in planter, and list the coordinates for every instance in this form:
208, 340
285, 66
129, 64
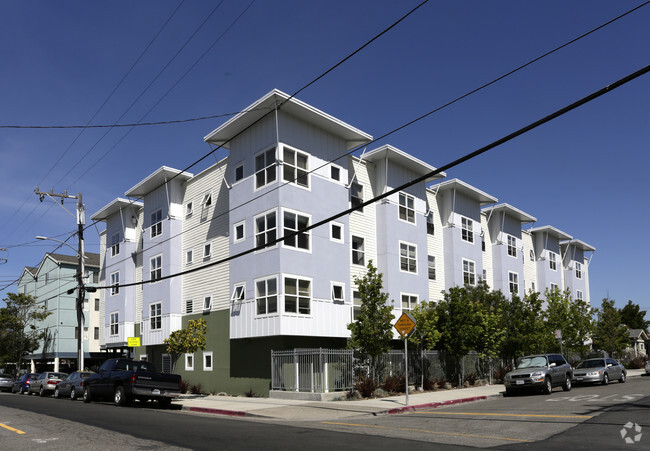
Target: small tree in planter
188, 340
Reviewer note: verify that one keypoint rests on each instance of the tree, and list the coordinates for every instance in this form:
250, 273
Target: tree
524, 326
188, 340
372, 332
609, 333
573, 317
18, 332
426, 331
633, 317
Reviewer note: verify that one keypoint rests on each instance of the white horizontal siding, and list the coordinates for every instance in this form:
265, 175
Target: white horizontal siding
169, 324
363, 224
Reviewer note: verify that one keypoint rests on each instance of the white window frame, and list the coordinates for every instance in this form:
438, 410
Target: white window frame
334, 167
189, 256
431, 267
336, 286
411, 261
155, 316
155, 270
513, 282
189, 361
554, 286
235, 227
532, 286
512, 246
238, 292
269, 170
341, 227
207, 251
156, 228
579, 295
207, 367
298, 216
115, 244
578, 270
206, 200
552, 261
234, 173
406, 209
467, 229
356, 303
430, 223
115, 282
356, 200
358, 251
299, 295
266, 296
412, 301
189, 209
114, 325
207, 303
293, 173
267, 234
470, 273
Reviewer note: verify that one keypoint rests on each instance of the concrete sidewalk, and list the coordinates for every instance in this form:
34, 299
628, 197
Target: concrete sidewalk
290, 409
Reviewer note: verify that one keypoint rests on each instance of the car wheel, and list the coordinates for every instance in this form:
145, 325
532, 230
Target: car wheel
605, 379
41, 392
623, 377
548, 386
73, 395
509, 392
57, 393
120, 398
87, 396
165, 403
567, 383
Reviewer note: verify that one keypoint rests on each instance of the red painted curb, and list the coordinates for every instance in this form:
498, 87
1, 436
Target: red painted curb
232, 413
435, 404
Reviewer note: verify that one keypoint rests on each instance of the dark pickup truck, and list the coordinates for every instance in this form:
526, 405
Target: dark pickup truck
124, 380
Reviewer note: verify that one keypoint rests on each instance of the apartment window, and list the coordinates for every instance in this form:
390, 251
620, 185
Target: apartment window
189, 209
358, 251
432, 267
407, 257
207, 250
189, 362
166, 364
238, 293
338, 291
155, 316
239, 172
207, 303
466, 230
578, 270
512, 246
336, 232
115, 323
295, 167
96, 333
513, 279
239, 230
409, 302
265, 229
115, 282
207, 360
469, 274
292, 223
407, 207
266, 296
189, 306
356, 195
156, 268
85, 333
156, 223
430, 226
484, 274
532, 286
552, 260
335, 173
189, 256
554, 287
207, 200
531, 254
96, 305
47, 278
265, 168
115, 245
579, 295
356, 305
297, 295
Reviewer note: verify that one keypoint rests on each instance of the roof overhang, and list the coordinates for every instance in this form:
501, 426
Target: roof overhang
511, 211
114, 207
551, 231
157, 179
466, 189
579, 245
403, 159
237, 124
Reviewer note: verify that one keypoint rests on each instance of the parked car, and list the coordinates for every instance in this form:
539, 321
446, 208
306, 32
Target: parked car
72, 386
599, 370
647, 367
124, 380
45, 383
6, 382
21, 385
539, 372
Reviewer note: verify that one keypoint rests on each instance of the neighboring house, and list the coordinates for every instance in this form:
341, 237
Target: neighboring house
285, 171
638, 339
49, 283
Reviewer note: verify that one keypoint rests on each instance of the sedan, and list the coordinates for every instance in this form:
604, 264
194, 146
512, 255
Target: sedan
72, 385
45, 383
21, 385
647, 367
6, 382
599, 370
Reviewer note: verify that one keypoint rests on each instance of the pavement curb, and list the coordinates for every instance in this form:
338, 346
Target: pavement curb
232, 413
439, 404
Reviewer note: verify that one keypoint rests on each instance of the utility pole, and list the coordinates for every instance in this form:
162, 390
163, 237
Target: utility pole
81, 289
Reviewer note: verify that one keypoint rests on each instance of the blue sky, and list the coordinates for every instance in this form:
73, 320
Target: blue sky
585, 173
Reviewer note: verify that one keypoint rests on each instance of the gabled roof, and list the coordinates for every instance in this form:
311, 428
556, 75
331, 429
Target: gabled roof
231, 128
466, 189
578, 244
551, 231
92, 259
28, 270
403, 159
511, 211
114, 207
156, 179
638, 333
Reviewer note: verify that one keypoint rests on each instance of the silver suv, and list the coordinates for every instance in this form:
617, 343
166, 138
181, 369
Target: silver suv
543, 371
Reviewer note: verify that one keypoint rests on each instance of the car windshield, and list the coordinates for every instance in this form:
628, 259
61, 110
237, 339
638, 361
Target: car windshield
58, 375
591, 364
6, 375
84, 375
530, 362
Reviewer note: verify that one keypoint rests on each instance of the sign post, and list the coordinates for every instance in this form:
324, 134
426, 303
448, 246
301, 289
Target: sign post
405, 326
